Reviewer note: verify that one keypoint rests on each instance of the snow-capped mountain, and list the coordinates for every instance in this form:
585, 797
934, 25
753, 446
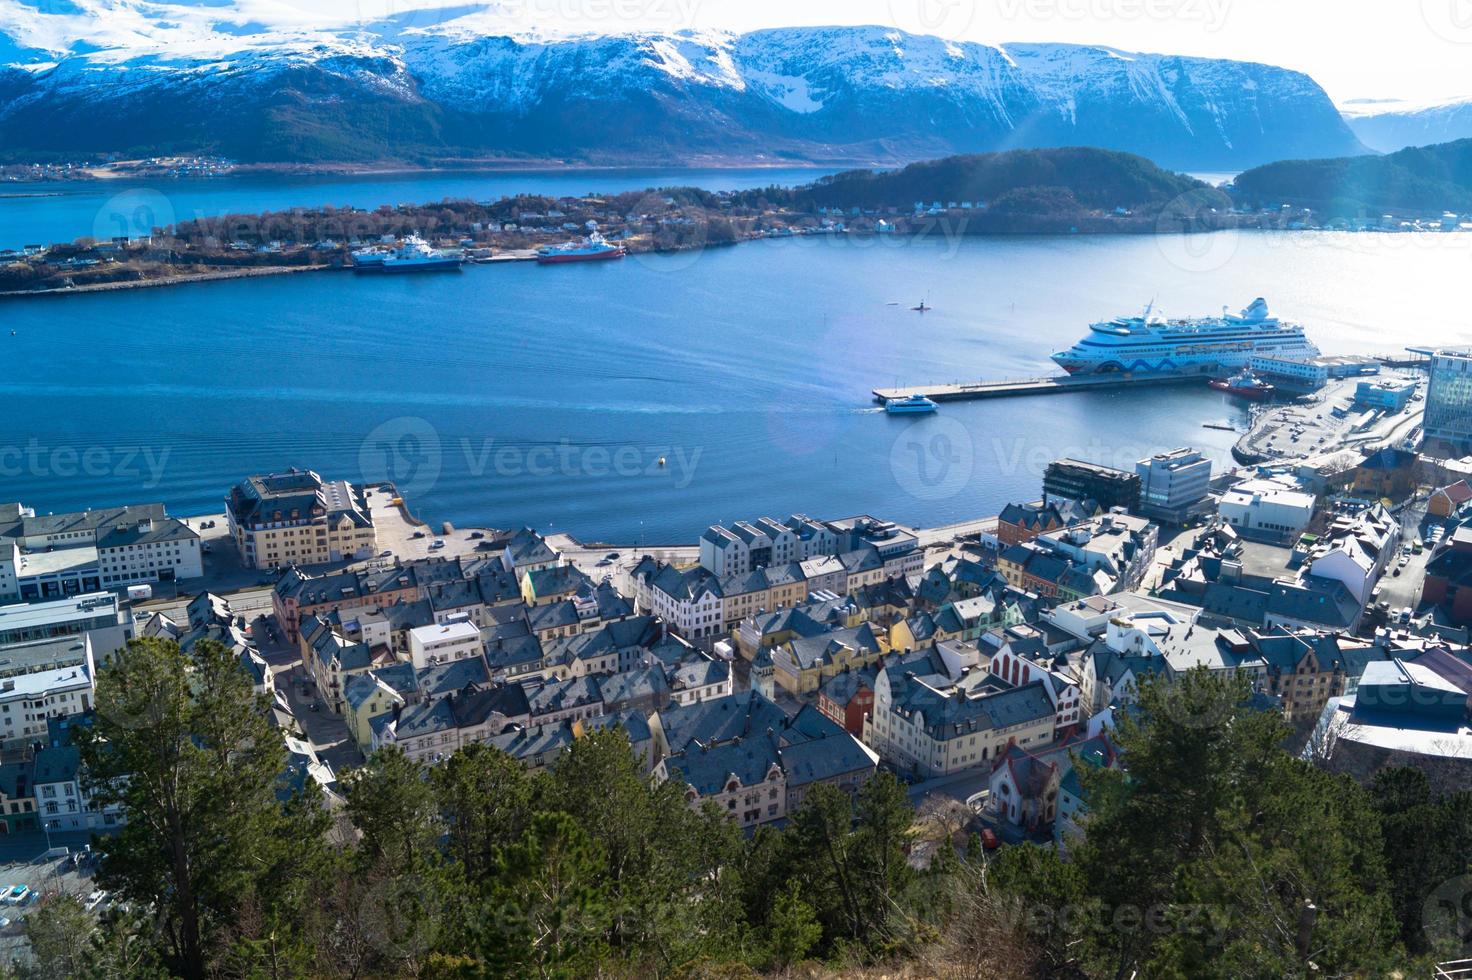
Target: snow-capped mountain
1393, 124
94, 75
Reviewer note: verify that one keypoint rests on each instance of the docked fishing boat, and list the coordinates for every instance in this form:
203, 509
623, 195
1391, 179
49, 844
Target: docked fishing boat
911, 405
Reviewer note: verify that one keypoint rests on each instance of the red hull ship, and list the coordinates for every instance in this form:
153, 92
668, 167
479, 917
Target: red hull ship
594, 249
1245, 385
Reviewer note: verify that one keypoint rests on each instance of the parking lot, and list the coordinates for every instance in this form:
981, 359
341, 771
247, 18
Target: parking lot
26, 883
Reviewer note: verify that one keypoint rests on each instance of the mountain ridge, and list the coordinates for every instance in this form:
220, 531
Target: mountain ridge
1388, 125
785, 94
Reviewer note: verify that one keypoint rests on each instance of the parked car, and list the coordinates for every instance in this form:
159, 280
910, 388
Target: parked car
989, 839
95, 899
417, 534
613, 556
16, 894
437, 544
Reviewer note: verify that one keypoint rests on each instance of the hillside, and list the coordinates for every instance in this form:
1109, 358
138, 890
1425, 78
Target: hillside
1095, 179
129, 79
1421, 180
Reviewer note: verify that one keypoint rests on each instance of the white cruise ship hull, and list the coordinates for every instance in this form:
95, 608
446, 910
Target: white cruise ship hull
1207, 346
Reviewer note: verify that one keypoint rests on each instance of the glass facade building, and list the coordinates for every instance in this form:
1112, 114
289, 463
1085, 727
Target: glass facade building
1449, 399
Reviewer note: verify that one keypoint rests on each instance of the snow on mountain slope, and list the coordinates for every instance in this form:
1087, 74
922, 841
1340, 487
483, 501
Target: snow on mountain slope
1392, 124
124, 77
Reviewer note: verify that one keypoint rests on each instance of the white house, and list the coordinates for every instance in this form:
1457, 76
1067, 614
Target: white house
61, 801
443, 643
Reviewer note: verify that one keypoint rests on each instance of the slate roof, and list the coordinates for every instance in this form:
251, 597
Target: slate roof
621, 690
950, 716
554, 696
806, 652
440, 680
527, 547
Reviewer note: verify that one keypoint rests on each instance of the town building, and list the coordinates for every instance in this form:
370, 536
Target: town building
433, 730
1270, 509
99, 616
17, 800
1119, 545
297, 518
1303, 375
62, 800
58, 555
931, 726
1448, 501
756, 764
1449, 397
41, 680
1078, 480
1402, 712
803, 663
1386, 394
443, 643
1027, 787
1173, 484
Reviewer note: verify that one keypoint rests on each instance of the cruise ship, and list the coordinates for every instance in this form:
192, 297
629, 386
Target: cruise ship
1152, 344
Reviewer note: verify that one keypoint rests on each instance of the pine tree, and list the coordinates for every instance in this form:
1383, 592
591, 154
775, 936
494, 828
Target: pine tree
184, 745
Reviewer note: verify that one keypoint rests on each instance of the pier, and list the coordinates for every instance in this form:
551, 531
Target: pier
971, 390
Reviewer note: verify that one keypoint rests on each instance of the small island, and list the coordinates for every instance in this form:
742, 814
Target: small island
1062, 191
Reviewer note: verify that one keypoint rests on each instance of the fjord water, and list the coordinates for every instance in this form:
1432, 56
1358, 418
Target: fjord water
516, 394
35, 213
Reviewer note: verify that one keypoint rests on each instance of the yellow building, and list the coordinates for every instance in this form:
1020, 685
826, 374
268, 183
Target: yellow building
294, 518
803, 663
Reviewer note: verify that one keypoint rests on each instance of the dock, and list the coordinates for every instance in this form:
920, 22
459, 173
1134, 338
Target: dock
972, 390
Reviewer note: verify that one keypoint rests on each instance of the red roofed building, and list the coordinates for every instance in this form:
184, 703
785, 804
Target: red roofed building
1446, 501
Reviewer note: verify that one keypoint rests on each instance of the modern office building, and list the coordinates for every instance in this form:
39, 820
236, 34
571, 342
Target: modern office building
1075, 479
1173, 484
1449, 399
98, 615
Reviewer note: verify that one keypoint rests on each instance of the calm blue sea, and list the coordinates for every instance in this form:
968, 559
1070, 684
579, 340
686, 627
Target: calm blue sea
516, 394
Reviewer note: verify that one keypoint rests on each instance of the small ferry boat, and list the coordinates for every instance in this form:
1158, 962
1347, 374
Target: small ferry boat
594, 248
912, 405
414, 254
1244, 385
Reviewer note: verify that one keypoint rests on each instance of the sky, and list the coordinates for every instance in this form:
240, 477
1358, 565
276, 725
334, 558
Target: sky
1414, 50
